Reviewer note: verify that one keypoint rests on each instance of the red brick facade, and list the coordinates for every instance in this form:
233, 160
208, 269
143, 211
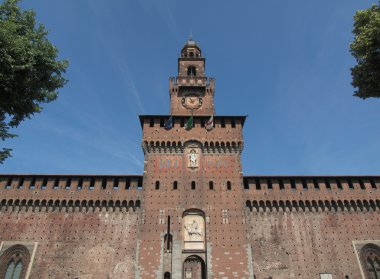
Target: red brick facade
192, 214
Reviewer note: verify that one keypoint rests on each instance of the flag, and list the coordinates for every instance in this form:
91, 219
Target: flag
169, 123
189, 124
210, 123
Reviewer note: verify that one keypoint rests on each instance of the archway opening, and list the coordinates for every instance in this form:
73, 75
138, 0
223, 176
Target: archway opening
194, 268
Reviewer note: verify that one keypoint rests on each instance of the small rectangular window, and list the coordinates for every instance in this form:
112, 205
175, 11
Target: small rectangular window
246, 184
293, 185
350, 185
339, 184
233, 123
223, 123
373, 184
20, 183
304, 185
44, 183
270, 186
175, 185
202, 122
92, 184
316, 185
281, 185
104, 183
258, 184
8, 185
68, 183
362, 185
328, 185
116, 183
211, 185
193, 185
157, 185
80, 183
32, 183
140, 183
127, 183
151, 122
56, 183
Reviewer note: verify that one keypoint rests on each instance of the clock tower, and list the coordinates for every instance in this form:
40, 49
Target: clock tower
192, 225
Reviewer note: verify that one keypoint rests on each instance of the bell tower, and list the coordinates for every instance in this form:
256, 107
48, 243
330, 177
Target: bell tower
191, 92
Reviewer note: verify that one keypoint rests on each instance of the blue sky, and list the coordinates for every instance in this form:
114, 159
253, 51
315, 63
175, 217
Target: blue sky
285, 64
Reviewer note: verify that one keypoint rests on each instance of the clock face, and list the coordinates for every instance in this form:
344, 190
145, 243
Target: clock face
192, 102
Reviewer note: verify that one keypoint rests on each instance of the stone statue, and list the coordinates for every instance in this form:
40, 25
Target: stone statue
193, 159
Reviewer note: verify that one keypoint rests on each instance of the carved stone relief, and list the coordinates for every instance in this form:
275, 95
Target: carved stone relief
193, 232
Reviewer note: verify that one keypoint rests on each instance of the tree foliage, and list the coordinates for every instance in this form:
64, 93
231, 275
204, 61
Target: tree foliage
366, 49
30, 72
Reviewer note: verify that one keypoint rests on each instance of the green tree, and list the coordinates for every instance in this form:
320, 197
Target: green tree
366, 49
30, 72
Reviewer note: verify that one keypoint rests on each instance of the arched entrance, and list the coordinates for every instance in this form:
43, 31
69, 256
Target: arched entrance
194, 268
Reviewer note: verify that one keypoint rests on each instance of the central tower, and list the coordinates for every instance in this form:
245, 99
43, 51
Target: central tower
193, 223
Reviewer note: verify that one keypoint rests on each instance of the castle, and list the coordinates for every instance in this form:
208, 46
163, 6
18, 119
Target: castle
192, 213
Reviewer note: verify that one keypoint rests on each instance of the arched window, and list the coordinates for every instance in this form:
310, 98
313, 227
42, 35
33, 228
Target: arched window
370, 260
13, 270
14, 262
191, 71
167, 275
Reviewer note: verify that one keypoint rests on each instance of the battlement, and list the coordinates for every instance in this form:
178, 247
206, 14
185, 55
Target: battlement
311, 193
104, 190
226, 136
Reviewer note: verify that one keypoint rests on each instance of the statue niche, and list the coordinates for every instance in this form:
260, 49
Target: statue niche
192, 155
193, 159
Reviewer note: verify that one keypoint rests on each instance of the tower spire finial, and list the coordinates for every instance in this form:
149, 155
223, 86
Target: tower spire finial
191, 36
